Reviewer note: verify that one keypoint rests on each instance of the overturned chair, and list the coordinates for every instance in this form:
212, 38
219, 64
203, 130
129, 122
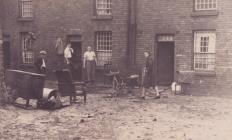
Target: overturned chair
67, 87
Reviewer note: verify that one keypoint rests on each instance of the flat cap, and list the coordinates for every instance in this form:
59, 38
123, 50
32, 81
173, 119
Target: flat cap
43, 52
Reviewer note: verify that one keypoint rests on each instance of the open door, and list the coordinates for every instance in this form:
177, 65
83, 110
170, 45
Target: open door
77, 60
6, 54
165, 61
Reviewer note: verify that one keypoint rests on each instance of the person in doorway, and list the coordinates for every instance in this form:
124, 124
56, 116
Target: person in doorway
90, 61
68, 52
40, 63
148, 80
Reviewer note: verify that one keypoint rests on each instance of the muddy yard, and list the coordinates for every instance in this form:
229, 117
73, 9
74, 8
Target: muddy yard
123, 118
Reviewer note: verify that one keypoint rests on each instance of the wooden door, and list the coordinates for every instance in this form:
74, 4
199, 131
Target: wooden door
165, 63
6, 54
77, 60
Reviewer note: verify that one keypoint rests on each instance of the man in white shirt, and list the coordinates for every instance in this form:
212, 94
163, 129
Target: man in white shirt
68, 52
90, 61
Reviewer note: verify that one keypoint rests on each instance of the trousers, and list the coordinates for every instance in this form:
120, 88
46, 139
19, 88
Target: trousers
90, 69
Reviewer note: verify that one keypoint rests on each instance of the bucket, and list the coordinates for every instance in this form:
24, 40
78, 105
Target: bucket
176, 88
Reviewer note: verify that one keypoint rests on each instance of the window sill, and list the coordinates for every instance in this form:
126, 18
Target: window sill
24, 65
205, 13
103, 17
205, 73
26, 19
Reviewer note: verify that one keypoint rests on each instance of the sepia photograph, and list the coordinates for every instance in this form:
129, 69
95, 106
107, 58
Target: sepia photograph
115, 69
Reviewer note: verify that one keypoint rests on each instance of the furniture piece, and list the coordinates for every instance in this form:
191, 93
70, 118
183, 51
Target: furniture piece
184, 81
26, 85
67, 87
107, 72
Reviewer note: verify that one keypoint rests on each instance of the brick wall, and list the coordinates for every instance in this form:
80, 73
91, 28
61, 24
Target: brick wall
153, 17
177, 17
62, 17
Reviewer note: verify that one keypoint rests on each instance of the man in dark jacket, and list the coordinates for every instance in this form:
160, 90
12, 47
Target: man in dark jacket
148, 79
40, 63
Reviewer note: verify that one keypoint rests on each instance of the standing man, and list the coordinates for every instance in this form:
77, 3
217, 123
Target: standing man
68, 52
90, 62
40, 63
148, 80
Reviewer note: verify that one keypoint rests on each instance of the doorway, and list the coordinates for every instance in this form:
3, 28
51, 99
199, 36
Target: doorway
6, 54
165, 62
77, 60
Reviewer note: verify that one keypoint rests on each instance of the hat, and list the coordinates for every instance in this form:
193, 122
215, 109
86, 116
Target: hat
43, 52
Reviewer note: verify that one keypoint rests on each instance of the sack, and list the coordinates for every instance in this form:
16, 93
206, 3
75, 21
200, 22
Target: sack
50, 104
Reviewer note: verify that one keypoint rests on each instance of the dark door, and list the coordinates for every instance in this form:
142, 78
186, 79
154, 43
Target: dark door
77, 60
165, 63
6, 54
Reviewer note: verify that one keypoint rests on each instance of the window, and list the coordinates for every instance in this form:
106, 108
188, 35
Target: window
205, 4
104, 47
103, 7
204, 50
26, 8
27, 51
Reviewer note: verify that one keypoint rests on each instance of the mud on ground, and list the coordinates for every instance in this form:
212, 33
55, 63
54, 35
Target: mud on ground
123, 118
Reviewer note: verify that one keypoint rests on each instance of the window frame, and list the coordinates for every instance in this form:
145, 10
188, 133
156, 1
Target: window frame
207, 54
26, 49
108, 49
108, 7
205, 9
26, 10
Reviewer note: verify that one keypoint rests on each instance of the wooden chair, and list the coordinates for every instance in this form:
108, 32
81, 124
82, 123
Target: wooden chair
67, 87
107, 73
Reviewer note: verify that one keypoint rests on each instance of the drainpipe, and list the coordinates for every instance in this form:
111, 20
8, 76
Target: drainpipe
1, 50
132, 27
1, 37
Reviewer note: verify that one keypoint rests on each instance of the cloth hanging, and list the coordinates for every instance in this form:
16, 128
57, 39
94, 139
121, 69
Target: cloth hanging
59, 46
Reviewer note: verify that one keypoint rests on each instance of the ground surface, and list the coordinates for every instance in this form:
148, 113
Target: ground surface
124, 118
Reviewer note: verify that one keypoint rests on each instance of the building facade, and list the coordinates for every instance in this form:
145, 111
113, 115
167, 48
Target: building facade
99, 24
188, 36
184, 37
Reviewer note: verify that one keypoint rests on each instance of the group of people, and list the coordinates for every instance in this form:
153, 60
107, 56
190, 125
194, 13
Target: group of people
89, 62
148, 82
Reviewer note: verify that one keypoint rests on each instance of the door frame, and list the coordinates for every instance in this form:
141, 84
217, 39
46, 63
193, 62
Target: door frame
7, 39
159, 39
81, 61
77, 38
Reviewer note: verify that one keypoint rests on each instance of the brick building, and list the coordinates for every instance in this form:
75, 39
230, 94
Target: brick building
188, 36
81, 22
195, 34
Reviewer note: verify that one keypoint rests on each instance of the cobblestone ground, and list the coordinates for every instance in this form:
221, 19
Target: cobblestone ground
124, 118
